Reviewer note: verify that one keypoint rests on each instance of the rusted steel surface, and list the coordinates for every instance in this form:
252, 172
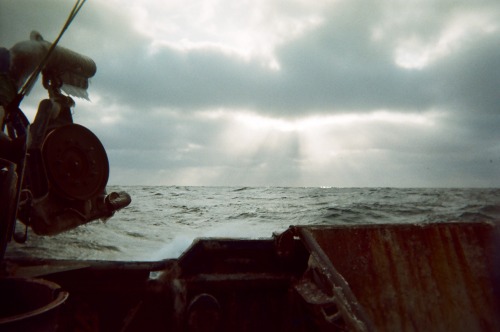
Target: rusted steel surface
432, 277
324, 277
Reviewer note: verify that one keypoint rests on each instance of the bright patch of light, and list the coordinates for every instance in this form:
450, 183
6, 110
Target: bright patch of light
263, 123
321, 139
255, 121
247, 29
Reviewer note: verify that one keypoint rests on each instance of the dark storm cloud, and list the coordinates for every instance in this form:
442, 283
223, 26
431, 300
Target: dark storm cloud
333, 68
158, 96
469, 80
337, 67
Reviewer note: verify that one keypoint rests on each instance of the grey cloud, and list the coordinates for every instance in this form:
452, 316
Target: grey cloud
19, 18
469, 80
334, 68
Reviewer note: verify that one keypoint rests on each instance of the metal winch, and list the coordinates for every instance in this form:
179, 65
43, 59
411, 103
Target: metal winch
64, 169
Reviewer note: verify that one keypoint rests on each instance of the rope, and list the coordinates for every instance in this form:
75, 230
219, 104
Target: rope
34, 76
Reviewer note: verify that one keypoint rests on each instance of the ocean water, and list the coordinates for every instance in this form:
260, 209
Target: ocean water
161, 222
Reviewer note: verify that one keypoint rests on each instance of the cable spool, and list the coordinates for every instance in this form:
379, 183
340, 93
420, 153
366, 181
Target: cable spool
76, 163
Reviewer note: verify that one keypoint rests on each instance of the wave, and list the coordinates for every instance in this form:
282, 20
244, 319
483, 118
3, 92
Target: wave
491, 210
241, 189
170, 217
474, 216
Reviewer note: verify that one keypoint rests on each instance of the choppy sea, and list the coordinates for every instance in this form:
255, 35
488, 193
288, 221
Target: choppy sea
161, 222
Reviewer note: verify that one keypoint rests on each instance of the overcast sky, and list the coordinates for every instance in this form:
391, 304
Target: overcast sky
284, 93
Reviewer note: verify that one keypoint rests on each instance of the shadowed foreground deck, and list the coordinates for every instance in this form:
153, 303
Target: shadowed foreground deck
432, 277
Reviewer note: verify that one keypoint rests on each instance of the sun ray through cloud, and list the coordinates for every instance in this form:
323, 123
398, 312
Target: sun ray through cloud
268, 92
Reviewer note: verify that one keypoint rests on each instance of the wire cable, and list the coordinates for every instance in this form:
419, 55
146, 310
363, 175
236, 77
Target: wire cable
34, 76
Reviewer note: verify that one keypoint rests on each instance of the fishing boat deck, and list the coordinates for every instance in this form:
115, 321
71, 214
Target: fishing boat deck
402, 277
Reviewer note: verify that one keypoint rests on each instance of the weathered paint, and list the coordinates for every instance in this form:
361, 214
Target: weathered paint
434, 277
430, 277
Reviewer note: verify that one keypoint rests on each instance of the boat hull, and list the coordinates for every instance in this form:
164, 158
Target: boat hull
402, 277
